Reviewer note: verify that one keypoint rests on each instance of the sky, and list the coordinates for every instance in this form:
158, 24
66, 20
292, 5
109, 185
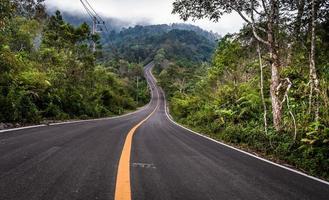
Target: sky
146, 11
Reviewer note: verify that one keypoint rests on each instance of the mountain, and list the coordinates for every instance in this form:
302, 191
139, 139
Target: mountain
136, 43
209, 35
118, 24
165, 28
179, 41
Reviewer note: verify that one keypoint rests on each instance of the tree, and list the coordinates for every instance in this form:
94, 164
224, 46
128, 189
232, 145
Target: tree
30, 8
6, 9
314, 81
263, 17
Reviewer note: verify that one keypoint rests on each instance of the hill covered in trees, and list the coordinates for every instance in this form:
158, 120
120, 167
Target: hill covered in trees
179, 42
138, 43
141, 43
117, 25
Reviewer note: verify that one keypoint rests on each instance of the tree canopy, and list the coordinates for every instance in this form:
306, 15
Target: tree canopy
48, 70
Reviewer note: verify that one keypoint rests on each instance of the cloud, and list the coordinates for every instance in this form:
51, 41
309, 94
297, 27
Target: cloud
150, 11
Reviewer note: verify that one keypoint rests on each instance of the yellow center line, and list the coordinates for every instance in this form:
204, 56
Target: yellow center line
122, 188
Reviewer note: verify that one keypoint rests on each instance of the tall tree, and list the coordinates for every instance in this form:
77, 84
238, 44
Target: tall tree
314, 81
264, 19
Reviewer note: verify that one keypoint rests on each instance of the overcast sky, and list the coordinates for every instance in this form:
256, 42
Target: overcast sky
149, 11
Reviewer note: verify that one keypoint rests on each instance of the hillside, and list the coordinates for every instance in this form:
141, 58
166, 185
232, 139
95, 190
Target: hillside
117, 25
179, 41
141, 42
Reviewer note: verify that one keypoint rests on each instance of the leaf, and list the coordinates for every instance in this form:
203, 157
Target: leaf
47, 83
308, 141
311, 133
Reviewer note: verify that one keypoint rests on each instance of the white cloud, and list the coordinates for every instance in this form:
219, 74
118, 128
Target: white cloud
152, 11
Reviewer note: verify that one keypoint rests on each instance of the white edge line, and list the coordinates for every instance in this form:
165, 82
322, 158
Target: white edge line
21, 128
234, 148
82, 121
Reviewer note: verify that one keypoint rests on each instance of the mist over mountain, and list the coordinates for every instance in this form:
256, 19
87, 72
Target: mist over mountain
135, 43
117, 25
76, 19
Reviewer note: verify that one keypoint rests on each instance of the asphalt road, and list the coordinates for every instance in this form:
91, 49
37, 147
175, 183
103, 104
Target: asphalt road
80, 161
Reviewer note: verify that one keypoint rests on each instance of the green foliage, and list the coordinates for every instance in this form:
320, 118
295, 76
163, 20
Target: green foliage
177, 43
6, 12
59, 77
223, 100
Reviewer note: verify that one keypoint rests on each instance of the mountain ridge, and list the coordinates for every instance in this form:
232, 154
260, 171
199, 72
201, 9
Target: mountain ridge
118, 25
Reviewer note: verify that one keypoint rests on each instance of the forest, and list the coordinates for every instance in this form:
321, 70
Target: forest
48, 70
266, 87
179, 41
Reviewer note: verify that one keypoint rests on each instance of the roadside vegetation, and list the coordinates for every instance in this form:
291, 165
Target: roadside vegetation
266, 88
48, 70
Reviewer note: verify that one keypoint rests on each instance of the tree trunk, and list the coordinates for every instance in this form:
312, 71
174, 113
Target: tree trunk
276, 103
314, 81
262, 87
275, 66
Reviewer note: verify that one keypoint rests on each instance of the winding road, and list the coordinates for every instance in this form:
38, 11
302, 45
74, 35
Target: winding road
141, 155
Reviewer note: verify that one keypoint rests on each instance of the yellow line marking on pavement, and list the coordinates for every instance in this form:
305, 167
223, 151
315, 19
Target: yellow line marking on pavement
122, 188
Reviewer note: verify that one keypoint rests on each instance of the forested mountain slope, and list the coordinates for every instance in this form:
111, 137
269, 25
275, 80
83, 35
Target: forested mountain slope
180, 42
140, 43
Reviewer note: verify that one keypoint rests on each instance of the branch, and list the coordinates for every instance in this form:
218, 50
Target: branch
248, 21
286, 98
287, 90
258, 37
242, 16
264, 6
256, 11
254, 28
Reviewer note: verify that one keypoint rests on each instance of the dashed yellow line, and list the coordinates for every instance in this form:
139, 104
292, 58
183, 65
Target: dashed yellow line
123, 188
